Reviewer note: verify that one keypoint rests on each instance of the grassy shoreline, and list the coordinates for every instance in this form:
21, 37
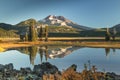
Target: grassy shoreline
84, 42
69, 43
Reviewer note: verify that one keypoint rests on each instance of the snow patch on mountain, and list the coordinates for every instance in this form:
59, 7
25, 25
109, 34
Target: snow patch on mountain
62, 21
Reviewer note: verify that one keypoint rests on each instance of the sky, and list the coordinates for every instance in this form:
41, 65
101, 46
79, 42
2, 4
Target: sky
90, 13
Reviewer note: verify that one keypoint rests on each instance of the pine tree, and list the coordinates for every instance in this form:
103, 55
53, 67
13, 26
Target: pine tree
107, 35
32, 32
26, 36
40, 33
46, 33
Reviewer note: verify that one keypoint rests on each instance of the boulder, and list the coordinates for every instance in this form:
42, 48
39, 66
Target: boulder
9, 66
1, 68
73, 66
45, 68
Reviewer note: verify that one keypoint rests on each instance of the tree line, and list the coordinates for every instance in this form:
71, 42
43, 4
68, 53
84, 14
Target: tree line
33, 33
110, 34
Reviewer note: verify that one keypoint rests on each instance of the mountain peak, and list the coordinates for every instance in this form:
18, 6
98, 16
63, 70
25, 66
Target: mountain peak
56, 20
62, 21
50, 17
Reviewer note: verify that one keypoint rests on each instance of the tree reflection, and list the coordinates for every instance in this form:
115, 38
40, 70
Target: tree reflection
107, 51
33, 53
113, 50
23, 50
43, 51
46, 53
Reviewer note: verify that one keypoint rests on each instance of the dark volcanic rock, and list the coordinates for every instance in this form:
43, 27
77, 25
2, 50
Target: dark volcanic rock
25, 71
73, 66
47, 71
45, 68
9, 66
1, 67
112, 76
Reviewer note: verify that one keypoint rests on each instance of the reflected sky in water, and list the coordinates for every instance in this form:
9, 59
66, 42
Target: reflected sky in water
63, 57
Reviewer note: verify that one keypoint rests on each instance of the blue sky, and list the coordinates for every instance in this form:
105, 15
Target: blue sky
91, 13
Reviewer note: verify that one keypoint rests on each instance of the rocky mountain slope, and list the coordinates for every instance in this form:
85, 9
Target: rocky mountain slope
116, 27
62, 21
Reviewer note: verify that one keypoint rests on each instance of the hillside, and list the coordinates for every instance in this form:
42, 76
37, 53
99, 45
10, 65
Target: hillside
52, 28
117, 27
54, 31
59, 26
7, 26
26, 22
61, 29
6, 33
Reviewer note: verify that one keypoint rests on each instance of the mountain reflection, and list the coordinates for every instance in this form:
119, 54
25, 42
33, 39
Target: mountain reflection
50, 52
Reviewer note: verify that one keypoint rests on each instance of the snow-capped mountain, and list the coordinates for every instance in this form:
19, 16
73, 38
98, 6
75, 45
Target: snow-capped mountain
62, 21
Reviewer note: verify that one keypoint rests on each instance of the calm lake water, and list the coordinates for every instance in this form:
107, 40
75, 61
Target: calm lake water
63, 56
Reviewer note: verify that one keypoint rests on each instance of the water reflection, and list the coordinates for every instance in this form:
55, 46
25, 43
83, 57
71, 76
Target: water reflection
47, 52
63, 56
43, 51
107, 51
33, 53
113, 50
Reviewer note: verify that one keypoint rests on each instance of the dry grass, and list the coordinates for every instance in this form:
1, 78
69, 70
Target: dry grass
71, 74
2, 49
14, 42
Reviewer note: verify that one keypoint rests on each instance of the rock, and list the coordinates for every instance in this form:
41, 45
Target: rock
45, 68
73, 66
37, 69
25, 71
112, 76
1, 68
9, 66
48, 71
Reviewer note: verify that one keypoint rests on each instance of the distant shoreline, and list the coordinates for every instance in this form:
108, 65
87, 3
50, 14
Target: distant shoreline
84, 42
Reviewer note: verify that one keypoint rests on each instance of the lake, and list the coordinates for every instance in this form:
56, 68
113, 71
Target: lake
105, 59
